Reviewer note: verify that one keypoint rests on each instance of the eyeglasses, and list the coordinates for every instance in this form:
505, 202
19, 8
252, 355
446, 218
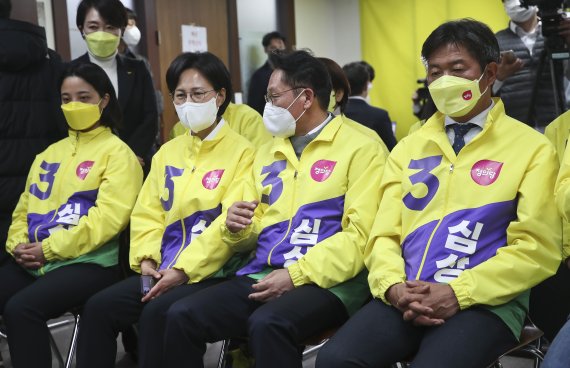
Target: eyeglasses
270, 97
181, 97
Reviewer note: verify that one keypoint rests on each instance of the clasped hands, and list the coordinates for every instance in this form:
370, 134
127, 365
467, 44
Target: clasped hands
29, 255
423, 303
166, 279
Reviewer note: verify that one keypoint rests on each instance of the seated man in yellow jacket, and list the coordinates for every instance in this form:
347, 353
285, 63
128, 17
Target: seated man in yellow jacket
558, 354
466, 225
314, 194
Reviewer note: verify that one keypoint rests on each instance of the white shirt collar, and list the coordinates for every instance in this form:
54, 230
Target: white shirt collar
213, 133
358, 98
478, 119
521, 32
321, 125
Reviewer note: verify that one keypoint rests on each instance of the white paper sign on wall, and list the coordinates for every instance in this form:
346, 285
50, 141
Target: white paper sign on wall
194, 39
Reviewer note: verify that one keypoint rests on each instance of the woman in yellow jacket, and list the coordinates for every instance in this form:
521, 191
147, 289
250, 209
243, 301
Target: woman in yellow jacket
194, 178
64, 232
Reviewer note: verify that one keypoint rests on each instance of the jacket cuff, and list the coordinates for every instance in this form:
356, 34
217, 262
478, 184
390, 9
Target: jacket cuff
462, 294
14, 243
297, 275
384, 284
231, 238
49, 255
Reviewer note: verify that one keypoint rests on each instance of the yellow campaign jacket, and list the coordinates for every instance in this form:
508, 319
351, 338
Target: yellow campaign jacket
242, 119
416, 126
315, 213
557, 132
484, 221
79, 195
366, 131
190, 184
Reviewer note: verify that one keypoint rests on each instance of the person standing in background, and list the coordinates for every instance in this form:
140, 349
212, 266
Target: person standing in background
359, 110
522, 44
30, 117
102, 23
260, 79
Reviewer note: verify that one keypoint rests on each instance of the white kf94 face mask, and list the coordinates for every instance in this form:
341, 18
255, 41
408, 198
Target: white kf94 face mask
279, 121
197, 116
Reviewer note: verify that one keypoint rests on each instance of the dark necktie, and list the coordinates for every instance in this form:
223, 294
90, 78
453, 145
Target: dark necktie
460, 131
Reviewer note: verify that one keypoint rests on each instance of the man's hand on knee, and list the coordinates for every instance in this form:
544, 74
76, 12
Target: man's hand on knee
272, 286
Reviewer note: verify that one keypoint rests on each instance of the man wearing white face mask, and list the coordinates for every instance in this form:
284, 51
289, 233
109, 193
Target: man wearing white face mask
466, 225
314, 192
522, 45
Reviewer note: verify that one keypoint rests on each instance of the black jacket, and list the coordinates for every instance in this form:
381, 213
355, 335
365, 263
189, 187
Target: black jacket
258, 88
30, 114
138, 105
372, 117
516, 91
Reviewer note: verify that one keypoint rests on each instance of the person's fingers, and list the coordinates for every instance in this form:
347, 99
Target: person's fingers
408, 298
155, 291
234, 226
242, 212
262, 296
26, 257
239, 219
428, 322
419, 308
154, 273
410, 315
261, 285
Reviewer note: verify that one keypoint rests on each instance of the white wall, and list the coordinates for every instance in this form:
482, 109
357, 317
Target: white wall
255, 19
330, 28
76, 42
45, 19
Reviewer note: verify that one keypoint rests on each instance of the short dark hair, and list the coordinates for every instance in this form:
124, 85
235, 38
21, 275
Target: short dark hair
301, 69
357, 76
5, 9
476, 37
96, 77
211, 68
338, 80
131, 14
271, 35
370, 70
112, 11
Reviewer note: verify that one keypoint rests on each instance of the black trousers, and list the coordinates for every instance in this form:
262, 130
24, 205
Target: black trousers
275, 329
27, 302
377, 336
118, 307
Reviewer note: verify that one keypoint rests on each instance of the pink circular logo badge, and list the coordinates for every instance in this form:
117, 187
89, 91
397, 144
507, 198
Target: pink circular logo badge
322, 169
486, 172
83, 169
212, 178
467, 95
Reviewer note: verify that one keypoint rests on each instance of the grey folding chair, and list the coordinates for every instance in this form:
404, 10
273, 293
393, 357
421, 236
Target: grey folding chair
72, 345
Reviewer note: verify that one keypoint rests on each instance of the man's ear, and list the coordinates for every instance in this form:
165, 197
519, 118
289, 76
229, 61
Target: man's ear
309, 98
491, 72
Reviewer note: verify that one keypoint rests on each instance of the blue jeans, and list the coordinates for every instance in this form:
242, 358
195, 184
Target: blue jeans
558, 355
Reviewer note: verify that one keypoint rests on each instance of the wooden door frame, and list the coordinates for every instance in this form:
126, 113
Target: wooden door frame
286, 20
61, 29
